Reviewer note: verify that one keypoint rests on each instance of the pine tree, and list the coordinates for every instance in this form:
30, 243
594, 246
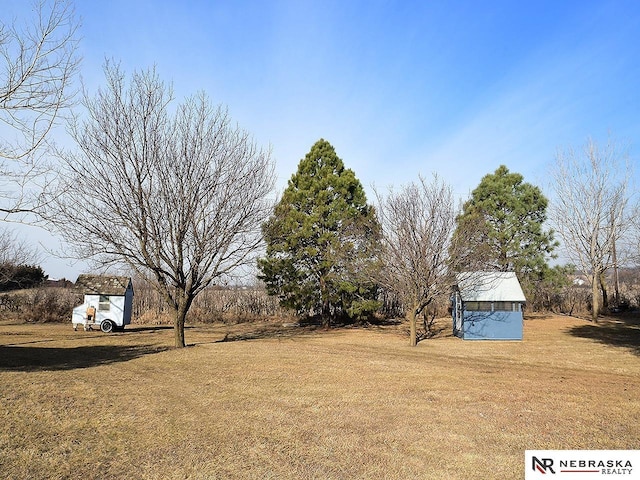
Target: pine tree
501, 227
321, 241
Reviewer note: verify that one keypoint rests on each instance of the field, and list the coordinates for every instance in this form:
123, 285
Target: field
264, 401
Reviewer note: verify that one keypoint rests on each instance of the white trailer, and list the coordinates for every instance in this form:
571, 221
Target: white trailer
108, 302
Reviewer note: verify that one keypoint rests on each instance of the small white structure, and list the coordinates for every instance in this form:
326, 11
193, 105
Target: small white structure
108, 301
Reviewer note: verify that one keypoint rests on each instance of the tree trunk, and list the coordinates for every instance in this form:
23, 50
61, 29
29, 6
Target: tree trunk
595, 297
326, 313
616, 275
412, 327
183, 304
603, 287
178, 329
427, 323
326, 308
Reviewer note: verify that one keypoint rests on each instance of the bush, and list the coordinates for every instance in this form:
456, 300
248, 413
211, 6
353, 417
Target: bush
41, 304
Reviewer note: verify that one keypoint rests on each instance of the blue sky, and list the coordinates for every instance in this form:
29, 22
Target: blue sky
399, 88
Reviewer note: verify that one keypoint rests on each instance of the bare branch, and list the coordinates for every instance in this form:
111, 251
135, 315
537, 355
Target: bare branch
38, 60
417, 224
15, 250
179, 197
590, 207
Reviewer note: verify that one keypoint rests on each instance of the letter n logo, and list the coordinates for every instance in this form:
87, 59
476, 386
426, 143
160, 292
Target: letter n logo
543, 464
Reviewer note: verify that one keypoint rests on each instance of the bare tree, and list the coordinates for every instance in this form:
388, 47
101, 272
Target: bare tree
175, 195
417, 223
590, 209
38, 60
15, 253
16, 250
634, 240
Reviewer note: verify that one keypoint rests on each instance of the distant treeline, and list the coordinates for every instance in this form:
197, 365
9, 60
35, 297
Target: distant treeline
27, 295
15, 277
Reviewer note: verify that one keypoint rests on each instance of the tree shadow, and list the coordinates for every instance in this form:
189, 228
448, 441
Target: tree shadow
305, 327
381, 323
28, 359
622, 331
532, 316
436, 330
271, 332
153, 328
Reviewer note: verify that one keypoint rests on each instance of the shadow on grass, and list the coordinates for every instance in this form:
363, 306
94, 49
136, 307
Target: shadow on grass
528, 316
263, 333
303, 328
435, 331
148, 328
29, 359
623, 331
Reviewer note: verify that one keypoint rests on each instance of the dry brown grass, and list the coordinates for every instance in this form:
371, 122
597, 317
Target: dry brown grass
302, 404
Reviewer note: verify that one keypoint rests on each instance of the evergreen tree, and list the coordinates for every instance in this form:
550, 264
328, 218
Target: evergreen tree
14, 277
501, 227
321, 241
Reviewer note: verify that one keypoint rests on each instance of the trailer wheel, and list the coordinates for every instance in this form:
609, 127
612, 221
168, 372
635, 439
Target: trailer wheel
106, 326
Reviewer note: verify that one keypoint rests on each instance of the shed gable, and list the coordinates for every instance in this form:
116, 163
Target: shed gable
490, 287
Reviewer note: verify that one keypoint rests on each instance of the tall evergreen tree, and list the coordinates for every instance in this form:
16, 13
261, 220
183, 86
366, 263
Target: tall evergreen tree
501, 227
321, 241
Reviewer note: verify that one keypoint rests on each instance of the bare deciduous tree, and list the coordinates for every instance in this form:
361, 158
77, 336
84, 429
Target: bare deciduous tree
38, 60
176, 196
15, 250
590, 210
417, 223
634, 241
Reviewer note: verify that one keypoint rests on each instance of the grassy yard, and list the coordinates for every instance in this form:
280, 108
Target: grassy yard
295, 403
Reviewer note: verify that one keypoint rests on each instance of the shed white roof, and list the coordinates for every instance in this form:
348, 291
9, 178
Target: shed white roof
490, 287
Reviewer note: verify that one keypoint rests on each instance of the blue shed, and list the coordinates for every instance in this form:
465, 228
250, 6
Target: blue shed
487, 306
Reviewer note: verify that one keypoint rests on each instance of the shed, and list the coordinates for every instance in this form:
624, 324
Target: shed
488, 306
108, 302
